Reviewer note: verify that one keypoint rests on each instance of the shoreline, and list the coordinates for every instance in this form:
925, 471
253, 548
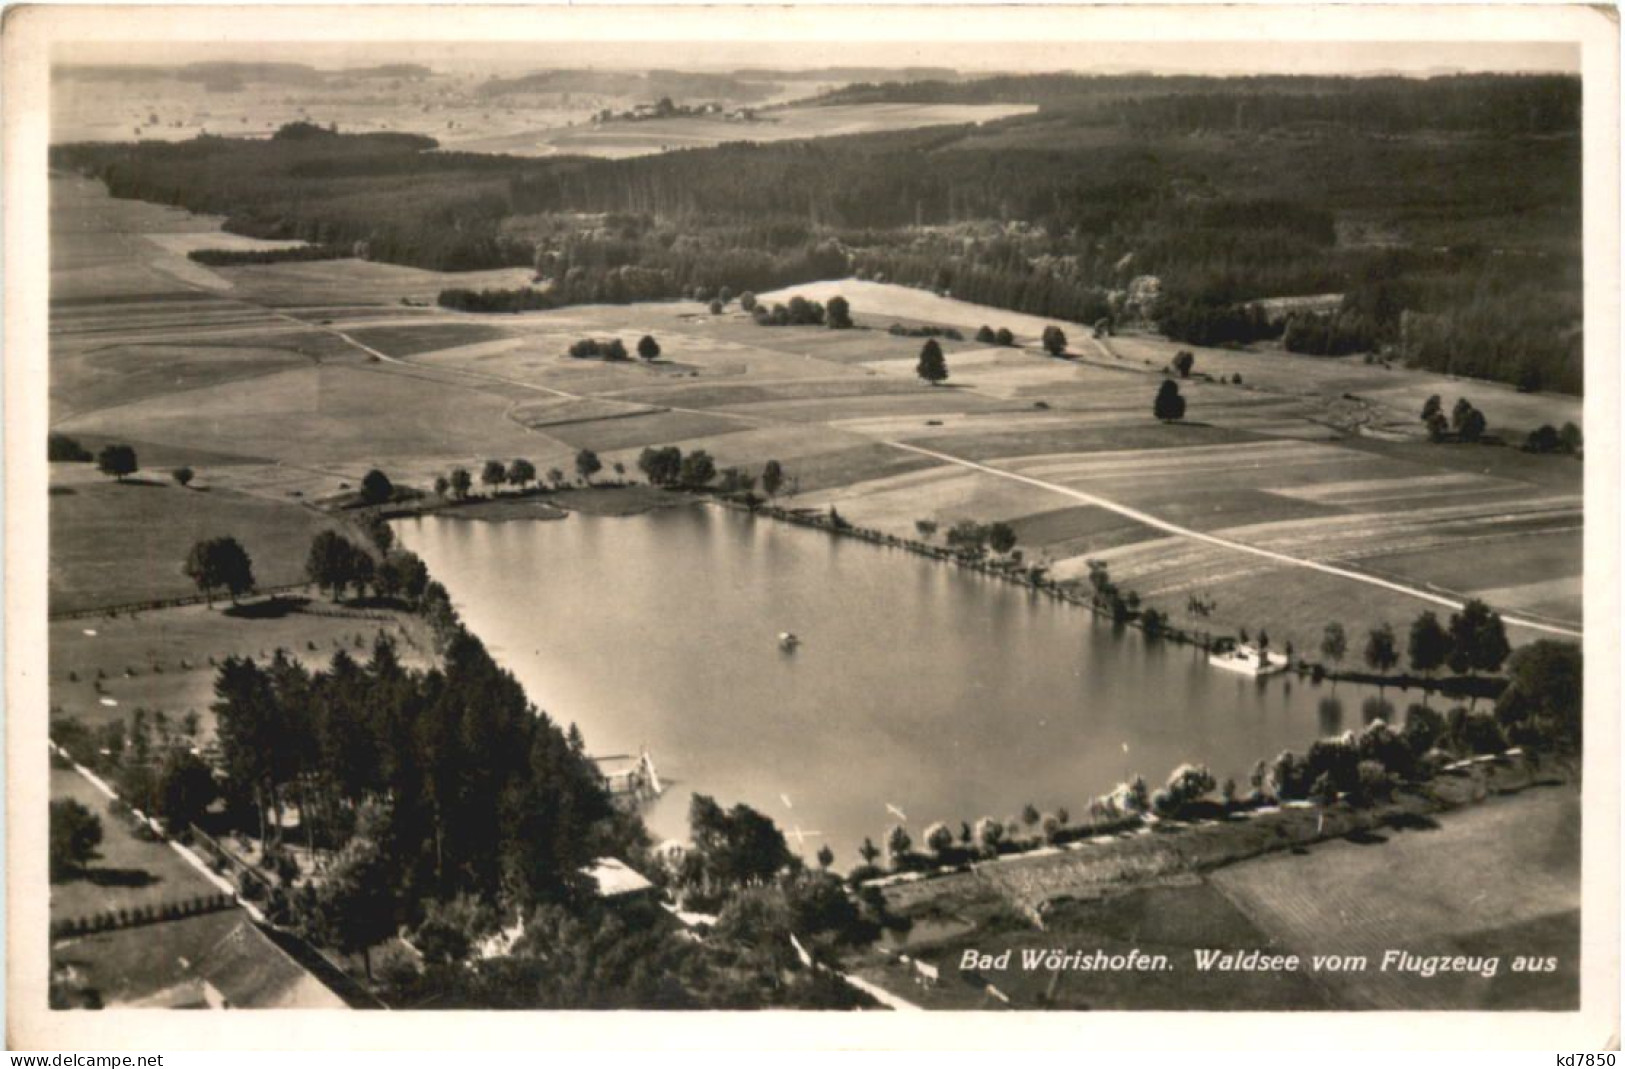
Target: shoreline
1469, 688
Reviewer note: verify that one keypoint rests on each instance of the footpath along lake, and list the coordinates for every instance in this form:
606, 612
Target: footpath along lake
918, 686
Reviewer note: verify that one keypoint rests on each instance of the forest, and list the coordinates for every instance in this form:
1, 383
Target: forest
1445, 211
440, 807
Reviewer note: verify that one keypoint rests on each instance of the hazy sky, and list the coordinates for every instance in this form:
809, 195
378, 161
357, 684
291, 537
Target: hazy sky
1265, 57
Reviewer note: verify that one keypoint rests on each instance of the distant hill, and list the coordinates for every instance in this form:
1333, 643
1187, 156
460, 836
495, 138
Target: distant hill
282, 73
388, 70
850, 74
679, 85
1501, 104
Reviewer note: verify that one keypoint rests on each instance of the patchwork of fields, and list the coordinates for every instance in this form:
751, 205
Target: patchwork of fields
282, 384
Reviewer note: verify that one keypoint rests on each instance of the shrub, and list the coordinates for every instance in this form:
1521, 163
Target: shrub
1374, 784
989, 833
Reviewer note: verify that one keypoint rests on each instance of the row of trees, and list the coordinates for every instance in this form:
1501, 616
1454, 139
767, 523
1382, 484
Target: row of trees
519, 472
1541, 709
1473, 641
614, 349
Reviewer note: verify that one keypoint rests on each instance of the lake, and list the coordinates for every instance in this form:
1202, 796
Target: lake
919, 687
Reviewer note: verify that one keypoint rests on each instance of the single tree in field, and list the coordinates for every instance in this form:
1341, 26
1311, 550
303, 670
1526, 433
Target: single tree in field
662, 466
715, 308
1542, 439
461, 482
442, 486
1434, 406
75, 834
1169, 406
826, 856
1001, 537
1568, 438
521, 472
698, 469
939, 838
494, 474
839, 313
117, 461
588, 465
985, 335
772, 478
234, 566
334, 563
933, 367
1459, 413
556, 478
926, 528
747, 301
376, 487
185, 789
1334, 643
1381, 652
648, 348
1054, 339
1478, 639
1004, 337
620, 471
616, 350
1184, 360
62, 448
1438, 426
1429, 645
898, 843
183, 476
220, 562
868, 851
1473, 425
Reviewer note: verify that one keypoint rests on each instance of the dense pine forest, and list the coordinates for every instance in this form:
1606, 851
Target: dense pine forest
1446, 211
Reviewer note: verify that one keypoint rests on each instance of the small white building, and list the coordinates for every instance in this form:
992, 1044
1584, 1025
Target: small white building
618, 881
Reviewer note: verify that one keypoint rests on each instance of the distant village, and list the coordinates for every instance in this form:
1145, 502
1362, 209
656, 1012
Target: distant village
664, 108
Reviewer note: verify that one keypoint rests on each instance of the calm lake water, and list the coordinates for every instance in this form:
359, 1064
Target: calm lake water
945, 694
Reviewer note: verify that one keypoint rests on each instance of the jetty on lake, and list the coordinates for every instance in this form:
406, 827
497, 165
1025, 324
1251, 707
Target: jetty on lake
631, 778
1246, 659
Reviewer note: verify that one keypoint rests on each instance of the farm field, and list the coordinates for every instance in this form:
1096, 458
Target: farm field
105, 667
130, 873
153, 524
1411, 893
126, 965
1278, 462
1360, 895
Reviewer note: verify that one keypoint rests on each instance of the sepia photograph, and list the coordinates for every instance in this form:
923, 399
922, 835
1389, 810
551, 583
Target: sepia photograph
795, 509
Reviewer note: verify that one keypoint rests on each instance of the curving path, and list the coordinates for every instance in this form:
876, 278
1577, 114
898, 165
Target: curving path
1239, 547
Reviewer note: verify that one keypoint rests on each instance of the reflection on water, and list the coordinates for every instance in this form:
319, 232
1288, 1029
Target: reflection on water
1377, 708
1331, 716
917, 688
